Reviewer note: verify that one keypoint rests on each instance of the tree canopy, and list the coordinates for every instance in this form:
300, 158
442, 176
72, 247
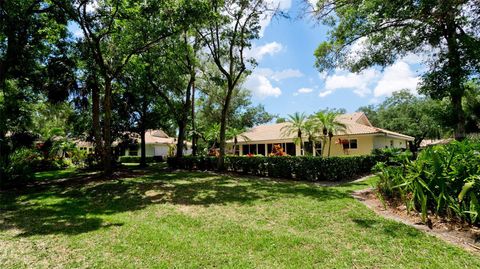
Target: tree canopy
372, 33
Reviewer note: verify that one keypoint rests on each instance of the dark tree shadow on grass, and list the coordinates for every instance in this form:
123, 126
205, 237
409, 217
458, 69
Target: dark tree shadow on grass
389, 228
76, 207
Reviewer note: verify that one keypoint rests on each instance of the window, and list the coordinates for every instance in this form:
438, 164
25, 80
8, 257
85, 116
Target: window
253, 149
261, 149
350, 144
290, 149
250, 149
244, 149
307, 148
269, 148
318, 149
353, 143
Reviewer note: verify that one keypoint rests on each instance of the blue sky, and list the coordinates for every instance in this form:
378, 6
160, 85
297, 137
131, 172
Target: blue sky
286, 81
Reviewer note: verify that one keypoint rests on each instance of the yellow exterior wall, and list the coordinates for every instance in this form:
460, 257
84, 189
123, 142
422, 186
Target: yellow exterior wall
385, 142
365, 144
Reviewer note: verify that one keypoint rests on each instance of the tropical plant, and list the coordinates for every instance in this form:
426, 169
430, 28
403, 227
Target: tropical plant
212, 135
235, 133
329, 125
443, 179
296, 125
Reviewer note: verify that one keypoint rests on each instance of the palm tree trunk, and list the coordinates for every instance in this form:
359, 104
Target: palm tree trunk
329, 145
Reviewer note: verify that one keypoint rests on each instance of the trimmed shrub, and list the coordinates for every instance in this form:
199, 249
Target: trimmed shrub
288, 167
136, 159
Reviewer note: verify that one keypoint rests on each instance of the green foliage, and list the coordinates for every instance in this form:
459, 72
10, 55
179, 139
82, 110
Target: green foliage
444, 180
403, 112
288, 167
372, 33
20, 167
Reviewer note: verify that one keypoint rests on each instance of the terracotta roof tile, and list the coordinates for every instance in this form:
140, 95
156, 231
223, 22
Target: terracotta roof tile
354, 125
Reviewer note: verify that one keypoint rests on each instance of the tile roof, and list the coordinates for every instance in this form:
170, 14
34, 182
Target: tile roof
356, 123
155, 137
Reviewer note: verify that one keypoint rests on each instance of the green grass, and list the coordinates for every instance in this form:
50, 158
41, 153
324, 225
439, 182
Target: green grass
192, 220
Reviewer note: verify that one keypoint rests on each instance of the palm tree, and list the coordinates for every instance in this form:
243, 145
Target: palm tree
235, 133
310, 131
212, 135
328, 123
296, 125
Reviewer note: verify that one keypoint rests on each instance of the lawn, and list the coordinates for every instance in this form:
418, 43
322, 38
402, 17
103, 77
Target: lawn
190, 220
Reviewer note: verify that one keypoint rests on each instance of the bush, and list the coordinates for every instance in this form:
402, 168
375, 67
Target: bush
136, 159
288, 167
20, 167
444, 180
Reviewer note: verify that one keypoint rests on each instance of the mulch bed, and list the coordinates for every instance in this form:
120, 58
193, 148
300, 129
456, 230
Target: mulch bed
460, 234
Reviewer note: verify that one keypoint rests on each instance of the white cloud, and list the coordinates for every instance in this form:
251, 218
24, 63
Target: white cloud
325, 93
305, 90
396, 77
258, 52
359, 83
302, 91
279, 75
261, 87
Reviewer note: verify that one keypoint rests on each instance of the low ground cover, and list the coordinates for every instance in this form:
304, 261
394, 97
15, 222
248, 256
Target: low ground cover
177, 219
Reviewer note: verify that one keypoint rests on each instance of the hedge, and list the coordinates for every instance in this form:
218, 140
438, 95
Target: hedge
136, 159
289, 167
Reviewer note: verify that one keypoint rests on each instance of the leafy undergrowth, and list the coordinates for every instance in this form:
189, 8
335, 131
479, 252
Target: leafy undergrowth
193, 220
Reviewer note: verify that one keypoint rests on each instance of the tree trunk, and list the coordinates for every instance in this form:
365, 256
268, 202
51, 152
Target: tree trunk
97, 137
143, 128
301, 142
107, 127
181, 138
194, 131
143, 156
460, 132
455, 71
329, 145
223, 128
182, 123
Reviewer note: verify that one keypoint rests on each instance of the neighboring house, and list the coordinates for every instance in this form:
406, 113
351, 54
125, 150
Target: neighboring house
85, 146
359, 138
157, 143
434, 142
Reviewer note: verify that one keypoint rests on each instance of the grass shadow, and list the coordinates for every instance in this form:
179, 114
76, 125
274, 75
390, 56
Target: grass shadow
389, 228
79, 206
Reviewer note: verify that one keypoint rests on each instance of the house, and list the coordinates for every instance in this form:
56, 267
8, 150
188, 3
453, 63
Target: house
157, 143
359, 138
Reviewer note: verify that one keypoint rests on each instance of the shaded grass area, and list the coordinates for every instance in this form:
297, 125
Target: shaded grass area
181, 219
